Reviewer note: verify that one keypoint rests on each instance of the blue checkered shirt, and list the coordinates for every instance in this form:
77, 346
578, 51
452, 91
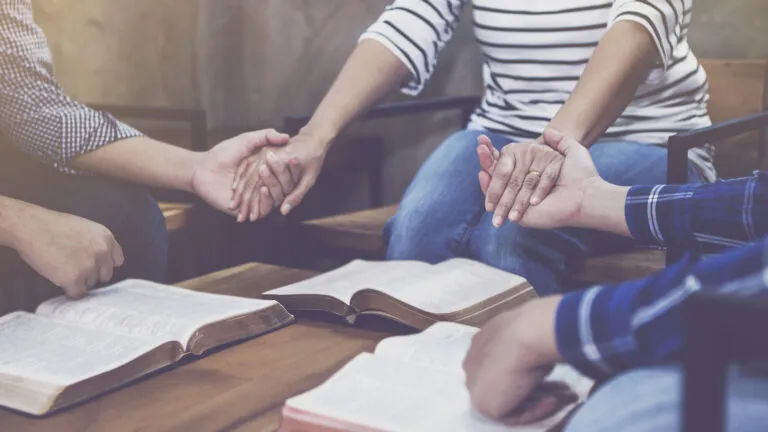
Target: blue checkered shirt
35, 114
607, 329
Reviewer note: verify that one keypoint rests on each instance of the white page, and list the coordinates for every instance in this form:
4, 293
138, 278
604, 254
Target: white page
345, 281
442, 345
384, 394
452, 286
146, 309
59, 353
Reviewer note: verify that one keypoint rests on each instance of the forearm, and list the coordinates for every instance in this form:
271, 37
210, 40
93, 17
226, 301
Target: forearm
142, 160
619, 64
13, 214
604, 209
607, 329
370, 73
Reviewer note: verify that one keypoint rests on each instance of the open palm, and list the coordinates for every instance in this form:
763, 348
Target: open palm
564, 202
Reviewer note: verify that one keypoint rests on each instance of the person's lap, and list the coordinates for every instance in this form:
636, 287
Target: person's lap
442, 213
129, 212
650, 399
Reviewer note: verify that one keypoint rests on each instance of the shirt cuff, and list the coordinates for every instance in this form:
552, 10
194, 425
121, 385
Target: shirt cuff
89, 133
659, 215
571, 321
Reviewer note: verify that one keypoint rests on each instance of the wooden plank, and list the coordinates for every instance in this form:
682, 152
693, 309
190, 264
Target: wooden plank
175, 214
241, 387
620, 267
737, 88
357, 231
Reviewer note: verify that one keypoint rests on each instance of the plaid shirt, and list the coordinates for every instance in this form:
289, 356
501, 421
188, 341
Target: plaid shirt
606, 329
35, 114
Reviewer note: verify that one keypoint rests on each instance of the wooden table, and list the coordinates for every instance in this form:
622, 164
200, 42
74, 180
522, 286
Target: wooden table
241, 388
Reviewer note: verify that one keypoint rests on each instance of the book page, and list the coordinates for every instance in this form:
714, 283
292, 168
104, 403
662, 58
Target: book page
345, 281
442, 345
452, 286
59, 353
146, 309
384, 394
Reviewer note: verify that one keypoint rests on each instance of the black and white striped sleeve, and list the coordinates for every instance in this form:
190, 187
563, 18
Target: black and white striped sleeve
415, 31
662, 18
35, 113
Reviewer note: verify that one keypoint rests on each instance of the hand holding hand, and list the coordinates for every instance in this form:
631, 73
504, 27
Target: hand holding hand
214, 176
73, 253
521, 175
287, 175
552, 206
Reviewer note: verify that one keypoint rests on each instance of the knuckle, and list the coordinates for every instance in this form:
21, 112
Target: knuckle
514, 183
530, 181
550, 176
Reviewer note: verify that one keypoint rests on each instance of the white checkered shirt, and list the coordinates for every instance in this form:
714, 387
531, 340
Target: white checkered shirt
35, 113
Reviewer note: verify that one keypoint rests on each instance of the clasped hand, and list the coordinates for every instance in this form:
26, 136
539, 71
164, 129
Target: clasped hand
538, 184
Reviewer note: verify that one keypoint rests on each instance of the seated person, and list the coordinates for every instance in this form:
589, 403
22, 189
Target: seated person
628, 332
618, 75
61, 228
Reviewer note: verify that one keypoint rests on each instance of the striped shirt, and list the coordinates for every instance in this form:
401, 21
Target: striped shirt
35, 113
536, 51
607, 329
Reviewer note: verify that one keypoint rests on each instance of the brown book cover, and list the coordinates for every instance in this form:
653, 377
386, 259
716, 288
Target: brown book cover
69, 351
414, 293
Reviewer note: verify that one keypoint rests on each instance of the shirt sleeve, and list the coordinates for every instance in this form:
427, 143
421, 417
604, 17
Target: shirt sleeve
663, 19
608, 329
704, 217
416, 31
35, 113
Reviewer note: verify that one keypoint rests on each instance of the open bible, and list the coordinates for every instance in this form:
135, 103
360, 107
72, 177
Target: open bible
410, 383
414, 293
69, 351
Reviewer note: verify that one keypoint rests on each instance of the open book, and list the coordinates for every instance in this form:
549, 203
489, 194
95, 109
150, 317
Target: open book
69, 351
410, 383
415, 293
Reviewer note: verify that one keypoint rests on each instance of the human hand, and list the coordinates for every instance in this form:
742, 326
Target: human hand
288, 174
260, 182
523, 174
73, 253
508, 361
562, 204
213, 177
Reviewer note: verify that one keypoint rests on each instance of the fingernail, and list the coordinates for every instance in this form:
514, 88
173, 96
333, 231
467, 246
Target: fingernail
271, 156
232, 204
286, 209
263, 170
497, 221
534, 201
253, 217
514, 215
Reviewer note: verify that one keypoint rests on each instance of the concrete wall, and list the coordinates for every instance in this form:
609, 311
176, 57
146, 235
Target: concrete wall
254, 61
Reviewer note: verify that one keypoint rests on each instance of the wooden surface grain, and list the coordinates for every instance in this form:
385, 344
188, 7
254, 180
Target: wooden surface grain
242, 387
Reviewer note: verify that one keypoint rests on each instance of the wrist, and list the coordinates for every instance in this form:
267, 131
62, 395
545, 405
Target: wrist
536, 337
321, 136
603, 208
195, 165
16, 218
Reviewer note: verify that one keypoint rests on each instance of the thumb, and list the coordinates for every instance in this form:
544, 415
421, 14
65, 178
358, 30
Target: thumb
257, 139
563, 144
486, 153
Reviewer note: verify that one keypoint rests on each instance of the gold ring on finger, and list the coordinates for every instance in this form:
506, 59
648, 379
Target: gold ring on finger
536, 173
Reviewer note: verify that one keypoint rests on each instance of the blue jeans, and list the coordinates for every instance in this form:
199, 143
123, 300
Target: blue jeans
442, 214
129, 212
650, 400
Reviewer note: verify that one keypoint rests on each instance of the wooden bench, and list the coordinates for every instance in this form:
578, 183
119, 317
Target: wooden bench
737, 89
